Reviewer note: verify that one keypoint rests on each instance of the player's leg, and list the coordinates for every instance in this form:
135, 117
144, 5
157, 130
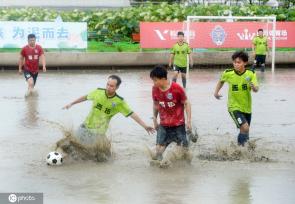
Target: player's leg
254, 63
175, 73
262, 68
161, 143
182, 149
184, 144
30, 81
241, 123
183, 76
35, 76
259, 60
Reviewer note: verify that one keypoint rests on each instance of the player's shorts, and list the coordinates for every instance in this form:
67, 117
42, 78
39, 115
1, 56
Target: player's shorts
260, 59
179, 69
240, 118
28, 75
166, 135
87, 136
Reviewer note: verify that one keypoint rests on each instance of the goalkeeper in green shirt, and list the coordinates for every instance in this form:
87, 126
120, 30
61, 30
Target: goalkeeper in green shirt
260, 49
178, 58
241, 82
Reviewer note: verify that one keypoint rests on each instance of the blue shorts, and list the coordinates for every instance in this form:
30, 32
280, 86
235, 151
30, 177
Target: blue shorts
240, 118
28, 75
166, 135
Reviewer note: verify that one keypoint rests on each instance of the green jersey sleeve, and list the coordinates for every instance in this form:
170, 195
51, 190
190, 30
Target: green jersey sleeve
124, 109
254, 79
172, 50
254, 41
188, 49
91, 95
224, 76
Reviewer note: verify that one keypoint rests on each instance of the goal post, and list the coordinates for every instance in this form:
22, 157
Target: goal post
200, 31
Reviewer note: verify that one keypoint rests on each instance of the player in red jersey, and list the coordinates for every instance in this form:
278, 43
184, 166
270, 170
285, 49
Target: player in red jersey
170, 102
29, 62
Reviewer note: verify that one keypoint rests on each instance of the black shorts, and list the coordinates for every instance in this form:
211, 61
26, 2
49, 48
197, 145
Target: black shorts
260, 59
166, 135
179, 69
240, 118
28, 75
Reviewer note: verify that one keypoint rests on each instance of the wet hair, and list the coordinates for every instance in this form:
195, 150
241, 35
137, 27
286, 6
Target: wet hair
260, 29
30, 36
159, 72
180, 33
240, 54
117, 78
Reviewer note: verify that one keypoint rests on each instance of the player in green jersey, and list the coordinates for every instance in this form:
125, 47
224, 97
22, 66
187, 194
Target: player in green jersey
178, 58
106, 104
90, 140
260, 49
241, 82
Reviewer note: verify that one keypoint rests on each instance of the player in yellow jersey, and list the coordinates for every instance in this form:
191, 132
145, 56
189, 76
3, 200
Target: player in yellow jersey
90, 137
178, 58
260, 49
241, 82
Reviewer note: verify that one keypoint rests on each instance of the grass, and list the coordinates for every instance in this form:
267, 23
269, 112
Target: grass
94, 46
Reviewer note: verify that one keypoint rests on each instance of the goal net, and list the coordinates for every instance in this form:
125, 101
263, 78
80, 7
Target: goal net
215, 38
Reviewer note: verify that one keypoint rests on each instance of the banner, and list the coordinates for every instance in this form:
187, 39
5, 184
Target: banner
215, 34
48, 34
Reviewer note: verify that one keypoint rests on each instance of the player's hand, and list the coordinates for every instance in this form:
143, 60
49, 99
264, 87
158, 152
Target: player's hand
67, 106
189, 125
170, 66
149, 129
44, 69
252, 86
217, 96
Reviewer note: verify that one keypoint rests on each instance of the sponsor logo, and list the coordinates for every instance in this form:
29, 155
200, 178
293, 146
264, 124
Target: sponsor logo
171, 34
246, 35
218, 35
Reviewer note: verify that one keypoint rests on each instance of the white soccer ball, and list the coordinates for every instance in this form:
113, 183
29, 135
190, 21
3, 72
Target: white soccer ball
54, 159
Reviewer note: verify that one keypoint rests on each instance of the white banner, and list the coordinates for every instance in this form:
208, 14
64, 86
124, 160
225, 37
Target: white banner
48, 34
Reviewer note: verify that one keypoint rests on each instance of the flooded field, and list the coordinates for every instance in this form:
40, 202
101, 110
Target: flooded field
220, 172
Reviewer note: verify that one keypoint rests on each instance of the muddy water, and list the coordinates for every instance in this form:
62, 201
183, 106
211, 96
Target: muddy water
220, 172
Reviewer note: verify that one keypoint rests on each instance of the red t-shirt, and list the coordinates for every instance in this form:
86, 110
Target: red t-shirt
32, 56
170, 105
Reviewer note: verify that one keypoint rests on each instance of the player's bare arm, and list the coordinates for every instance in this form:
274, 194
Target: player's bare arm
79, 100
217, 89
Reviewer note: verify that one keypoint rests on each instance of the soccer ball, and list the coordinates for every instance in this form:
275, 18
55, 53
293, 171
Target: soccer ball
54, 159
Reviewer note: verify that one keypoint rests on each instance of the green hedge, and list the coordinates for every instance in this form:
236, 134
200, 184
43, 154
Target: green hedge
124, 21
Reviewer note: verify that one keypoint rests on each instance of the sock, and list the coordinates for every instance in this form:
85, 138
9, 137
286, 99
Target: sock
184, 82
262, 67
243, 138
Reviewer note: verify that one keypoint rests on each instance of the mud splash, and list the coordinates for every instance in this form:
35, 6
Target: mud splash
234, 152
74, 150
174, 156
